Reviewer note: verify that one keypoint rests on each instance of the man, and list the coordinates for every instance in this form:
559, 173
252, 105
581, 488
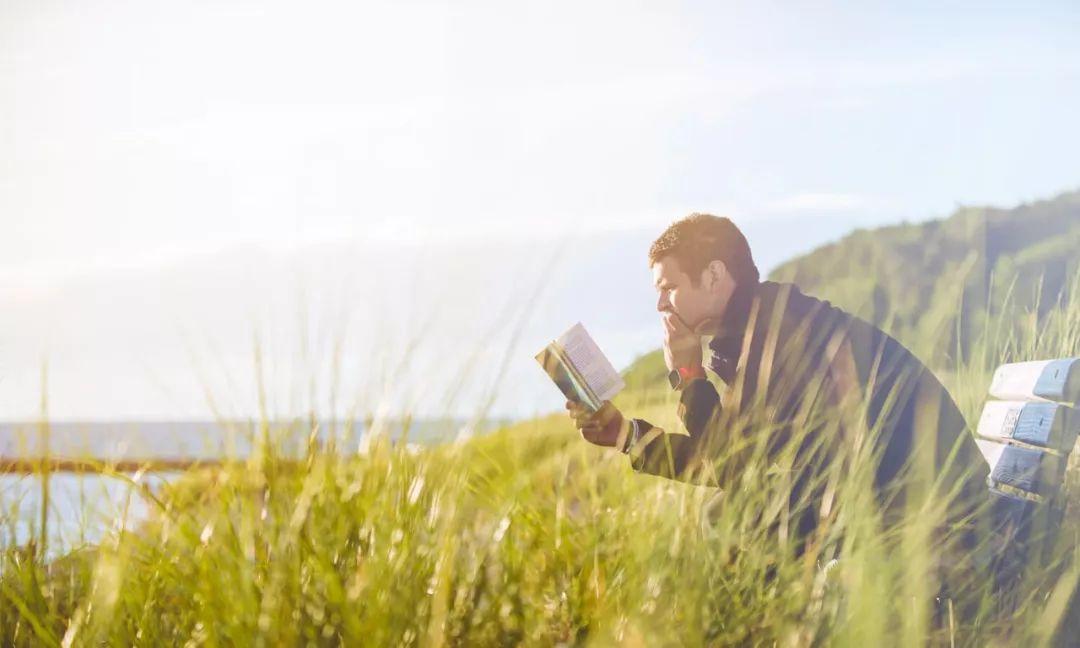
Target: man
781, 354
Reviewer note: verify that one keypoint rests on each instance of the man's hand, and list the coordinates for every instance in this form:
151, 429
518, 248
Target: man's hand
682, 347
603, 427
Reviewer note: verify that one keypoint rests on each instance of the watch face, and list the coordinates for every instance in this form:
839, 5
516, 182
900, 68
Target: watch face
674, 378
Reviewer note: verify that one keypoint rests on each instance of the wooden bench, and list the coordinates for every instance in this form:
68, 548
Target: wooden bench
1026, 436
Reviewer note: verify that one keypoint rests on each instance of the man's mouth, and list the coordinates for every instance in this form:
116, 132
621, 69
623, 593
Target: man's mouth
675, 319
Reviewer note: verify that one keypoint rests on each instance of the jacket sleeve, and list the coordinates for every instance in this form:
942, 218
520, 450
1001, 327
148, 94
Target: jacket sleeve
680, 456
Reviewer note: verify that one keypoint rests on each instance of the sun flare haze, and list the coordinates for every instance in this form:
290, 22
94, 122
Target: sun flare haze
435, 323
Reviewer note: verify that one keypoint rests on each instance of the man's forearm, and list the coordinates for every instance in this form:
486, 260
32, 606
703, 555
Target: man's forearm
678, 456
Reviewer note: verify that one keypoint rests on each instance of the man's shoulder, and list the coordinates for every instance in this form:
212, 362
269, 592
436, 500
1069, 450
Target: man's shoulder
878, 357
828, 319
797, 305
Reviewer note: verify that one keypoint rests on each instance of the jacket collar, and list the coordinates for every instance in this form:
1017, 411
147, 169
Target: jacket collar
726, 345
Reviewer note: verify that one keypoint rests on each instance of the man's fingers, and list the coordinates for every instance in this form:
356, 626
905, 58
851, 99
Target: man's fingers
584, 419
669, 327
579, 411
600, 416
594, 426
590, 431
590, 428
580, 414
674, 327
606, 412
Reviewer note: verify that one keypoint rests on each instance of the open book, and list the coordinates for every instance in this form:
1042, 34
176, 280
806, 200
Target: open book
580, 369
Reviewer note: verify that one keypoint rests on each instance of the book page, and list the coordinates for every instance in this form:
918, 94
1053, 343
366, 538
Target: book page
565, 377
591, 362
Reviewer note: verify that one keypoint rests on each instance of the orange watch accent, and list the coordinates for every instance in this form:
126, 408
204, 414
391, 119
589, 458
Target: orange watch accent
689, 373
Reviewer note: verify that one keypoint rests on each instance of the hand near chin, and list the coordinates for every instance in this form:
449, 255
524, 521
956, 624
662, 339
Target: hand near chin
682, 346
603, 427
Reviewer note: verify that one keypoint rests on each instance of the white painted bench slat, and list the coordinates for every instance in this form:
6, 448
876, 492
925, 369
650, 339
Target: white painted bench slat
1039, 380
1047, 425
1029, 469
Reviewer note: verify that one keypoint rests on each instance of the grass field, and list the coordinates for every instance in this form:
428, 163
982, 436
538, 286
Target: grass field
526, 535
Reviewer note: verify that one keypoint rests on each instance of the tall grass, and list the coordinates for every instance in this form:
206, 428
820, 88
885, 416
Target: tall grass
528, 535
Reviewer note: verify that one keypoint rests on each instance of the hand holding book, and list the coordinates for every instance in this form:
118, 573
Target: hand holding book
586, 377
604, 427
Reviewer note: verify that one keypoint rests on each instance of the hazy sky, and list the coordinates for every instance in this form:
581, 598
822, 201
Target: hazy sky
136, 136
134, 129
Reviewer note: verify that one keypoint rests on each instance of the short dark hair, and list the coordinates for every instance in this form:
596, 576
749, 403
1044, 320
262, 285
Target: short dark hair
698, 240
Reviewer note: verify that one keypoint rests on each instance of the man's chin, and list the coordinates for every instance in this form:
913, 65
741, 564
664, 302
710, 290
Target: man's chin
708, 326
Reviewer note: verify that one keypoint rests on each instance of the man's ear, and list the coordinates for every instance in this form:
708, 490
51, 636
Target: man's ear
715, 274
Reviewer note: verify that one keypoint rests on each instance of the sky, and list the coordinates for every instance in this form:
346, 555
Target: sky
148, 147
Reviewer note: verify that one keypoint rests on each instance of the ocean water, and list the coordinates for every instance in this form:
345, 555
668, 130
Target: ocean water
85, 505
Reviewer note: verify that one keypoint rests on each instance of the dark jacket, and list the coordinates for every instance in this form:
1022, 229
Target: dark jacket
782, 353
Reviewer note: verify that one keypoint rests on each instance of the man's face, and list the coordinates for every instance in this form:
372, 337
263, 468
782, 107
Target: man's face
680, 299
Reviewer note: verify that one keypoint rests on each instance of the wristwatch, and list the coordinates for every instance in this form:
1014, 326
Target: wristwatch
682, 376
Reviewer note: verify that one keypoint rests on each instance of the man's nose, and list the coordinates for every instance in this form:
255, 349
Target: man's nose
662, 304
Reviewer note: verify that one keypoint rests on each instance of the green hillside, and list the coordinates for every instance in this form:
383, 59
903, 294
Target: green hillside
924, 282
910, 278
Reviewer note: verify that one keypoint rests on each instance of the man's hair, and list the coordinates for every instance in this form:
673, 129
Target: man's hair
698, 240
